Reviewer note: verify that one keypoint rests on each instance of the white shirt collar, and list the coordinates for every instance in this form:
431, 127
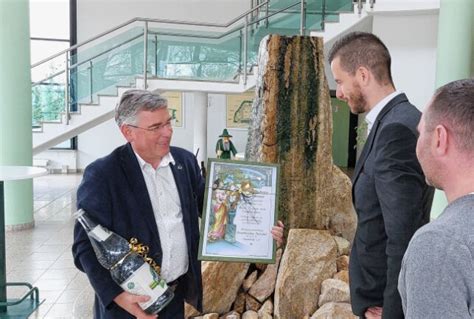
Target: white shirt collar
375, 111
165, 161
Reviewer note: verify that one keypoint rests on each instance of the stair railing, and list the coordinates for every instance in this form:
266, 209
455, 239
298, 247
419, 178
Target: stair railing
244, 16
360, 5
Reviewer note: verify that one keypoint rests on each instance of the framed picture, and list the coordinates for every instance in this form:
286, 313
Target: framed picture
240, 209
175, 106
239, 110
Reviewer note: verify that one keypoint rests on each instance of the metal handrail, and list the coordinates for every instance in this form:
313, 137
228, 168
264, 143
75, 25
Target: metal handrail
145, 55
323, 9
359, 6
222, 35
303, 15
165, 21
73, 66
68, 52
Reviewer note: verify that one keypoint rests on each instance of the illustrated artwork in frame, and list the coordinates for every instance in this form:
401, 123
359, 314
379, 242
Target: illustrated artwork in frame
240, 208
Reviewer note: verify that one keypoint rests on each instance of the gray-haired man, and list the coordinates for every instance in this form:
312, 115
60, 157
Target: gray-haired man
149, 190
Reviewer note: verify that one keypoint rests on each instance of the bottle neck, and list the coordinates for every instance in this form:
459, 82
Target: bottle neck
84, 220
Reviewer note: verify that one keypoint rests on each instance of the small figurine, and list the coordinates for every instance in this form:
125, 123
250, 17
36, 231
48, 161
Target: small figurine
224, 146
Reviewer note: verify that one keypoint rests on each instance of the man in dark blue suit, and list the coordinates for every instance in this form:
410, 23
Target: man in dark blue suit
149, 190
154, 192
389, 191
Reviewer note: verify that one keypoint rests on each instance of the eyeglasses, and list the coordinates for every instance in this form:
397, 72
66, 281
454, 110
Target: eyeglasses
155, 129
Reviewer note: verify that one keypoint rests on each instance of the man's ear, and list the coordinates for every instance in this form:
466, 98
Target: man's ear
441, 140
127, 132
363, 75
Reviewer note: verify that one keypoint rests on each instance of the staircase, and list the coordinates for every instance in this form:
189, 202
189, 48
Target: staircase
85, 81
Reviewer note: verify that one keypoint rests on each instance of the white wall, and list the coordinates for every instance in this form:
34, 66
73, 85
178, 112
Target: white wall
96, 16
412, 42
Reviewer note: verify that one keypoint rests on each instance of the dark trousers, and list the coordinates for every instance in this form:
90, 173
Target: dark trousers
175, 309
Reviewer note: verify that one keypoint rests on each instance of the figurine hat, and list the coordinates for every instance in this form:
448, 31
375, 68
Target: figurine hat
225, 133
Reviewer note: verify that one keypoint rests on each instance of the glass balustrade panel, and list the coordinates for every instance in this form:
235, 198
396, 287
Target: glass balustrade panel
206, 56
117, 66
48, 100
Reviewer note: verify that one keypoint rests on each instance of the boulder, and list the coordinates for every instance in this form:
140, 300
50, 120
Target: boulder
334, 290
334, 310
265, 285
342, 263
342, 275
221, 283
308, 260
250, 314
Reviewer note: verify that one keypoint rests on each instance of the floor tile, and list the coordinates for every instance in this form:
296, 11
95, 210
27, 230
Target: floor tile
42, 255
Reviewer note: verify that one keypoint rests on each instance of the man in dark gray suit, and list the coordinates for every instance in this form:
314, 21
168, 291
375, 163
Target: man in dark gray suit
390, 194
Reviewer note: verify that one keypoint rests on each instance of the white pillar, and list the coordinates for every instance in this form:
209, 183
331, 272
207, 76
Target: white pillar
200, 125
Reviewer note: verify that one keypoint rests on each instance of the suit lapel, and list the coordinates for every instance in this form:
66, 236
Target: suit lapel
373, 132
134, 175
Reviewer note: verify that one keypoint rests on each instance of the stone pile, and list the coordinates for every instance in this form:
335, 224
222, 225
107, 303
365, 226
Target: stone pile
308, 280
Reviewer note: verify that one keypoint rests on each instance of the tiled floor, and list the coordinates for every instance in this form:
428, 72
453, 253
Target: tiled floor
42, 255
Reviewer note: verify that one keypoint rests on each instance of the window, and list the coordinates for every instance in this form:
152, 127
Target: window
50, 31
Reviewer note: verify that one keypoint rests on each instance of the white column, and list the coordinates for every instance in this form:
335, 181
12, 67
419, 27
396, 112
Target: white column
200, 125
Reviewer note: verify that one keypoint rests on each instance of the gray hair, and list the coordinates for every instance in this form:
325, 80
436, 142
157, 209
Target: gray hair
133, 102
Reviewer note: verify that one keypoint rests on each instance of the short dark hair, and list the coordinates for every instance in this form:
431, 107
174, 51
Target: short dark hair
453, 106
358, 49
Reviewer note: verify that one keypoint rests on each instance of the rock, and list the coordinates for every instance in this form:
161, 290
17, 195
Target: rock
308, 260
239, 304
342, 275
265, 285
249, 281
343, 245
211, 316
251, 303
221, 283
334, 290
265, 316
261, 267
334, 310
342, 263
266, 309
291, 125
250, 314
190, 311
231, 315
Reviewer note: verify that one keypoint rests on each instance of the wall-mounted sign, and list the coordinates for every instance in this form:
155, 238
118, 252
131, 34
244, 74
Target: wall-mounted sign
239, 110
175, 106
